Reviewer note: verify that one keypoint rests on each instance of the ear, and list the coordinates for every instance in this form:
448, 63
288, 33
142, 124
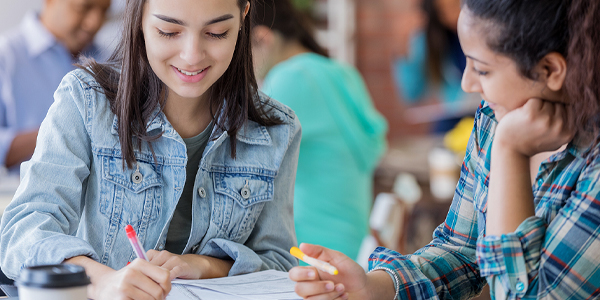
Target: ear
554, 67
246, 10
262, 36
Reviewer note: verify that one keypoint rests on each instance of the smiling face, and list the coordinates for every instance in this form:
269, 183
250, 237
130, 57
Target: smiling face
190, 43
496, 77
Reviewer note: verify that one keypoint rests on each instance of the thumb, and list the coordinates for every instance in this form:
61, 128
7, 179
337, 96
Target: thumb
318, 252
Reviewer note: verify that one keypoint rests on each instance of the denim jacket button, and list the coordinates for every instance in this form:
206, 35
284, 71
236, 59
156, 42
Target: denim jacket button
137, 177
245, 192
202, 192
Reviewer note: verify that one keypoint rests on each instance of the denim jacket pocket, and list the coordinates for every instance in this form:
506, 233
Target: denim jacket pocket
130, 196
239, 200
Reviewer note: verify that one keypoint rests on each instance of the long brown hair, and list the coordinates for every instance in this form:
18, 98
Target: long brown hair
282, 16
527, 31
134, 91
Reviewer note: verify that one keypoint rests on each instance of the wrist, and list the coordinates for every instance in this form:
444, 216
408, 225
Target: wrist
502, 150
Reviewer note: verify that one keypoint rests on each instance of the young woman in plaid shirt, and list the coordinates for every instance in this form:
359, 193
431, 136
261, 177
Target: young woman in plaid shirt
525, 218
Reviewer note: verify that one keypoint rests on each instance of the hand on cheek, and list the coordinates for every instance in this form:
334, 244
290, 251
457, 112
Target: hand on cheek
538, 126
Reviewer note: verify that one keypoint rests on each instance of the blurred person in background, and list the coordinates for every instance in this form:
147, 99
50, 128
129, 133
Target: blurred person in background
34, 57
434, 63
343, 135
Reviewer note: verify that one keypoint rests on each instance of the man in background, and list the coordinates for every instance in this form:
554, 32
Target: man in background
34, 58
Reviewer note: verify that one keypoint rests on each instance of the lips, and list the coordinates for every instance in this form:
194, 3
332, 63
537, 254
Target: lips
184, 72
190, 76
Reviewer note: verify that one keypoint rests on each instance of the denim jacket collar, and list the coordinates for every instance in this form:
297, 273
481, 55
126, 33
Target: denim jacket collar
251, 133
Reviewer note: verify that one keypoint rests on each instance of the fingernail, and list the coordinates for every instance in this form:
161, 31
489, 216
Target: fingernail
339, 288
329, 286
311, 275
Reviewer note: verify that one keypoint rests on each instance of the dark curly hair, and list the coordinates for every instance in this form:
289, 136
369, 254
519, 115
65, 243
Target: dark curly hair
528, 30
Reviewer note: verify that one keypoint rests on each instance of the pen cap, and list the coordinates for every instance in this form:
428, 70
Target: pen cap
130, 232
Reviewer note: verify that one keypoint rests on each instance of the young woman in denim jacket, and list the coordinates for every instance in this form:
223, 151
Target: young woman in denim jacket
525, 217
114, 150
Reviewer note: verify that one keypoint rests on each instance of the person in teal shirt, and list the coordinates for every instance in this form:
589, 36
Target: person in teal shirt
343, 135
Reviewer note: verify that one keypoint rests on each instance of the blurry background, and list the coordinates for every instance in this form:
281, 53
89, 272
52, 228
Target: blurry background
361, 32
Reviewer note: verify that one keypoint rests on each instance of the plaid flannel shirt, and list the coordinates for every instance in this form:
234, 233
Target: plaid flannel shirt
554, 254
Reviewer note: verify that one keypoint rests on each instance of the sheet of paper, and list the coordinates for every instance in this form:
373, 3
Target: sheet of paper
265, 285
188, 292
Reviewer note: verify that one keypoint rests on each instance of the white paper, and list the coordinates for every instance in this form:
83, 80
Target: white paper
265, 285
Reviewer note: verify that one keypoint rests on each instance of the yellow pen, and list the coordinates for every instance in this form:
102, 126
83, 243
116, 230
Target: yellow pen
319, 264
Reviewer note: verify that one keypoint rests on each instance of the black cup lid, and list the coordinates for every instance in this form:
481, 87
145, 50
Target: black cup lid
53, 276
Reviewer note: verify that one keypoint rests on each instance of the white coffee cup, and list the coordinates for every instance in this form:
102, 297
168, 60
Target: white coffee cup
53, 282
444, 172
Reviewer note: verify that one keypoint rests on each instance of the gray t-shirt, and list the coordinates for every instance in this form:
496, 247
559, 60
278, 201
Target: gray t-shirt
181, 224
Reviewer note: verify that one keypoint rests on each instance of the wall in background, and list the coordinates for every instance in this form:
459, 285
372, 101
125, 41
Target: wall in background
382, 31
12, 11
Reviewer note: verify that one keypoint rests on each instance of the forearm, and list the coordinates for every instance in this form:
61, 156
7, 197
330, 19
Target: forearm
510, 198
212, 267
380, 286
21, 148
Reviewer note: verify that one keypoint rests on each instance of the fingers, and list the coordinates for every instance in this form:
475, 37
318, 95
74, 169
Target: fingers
304, 274
157, 274
159, 258
151, 254
142, 287
318, 252
319, 290
179, 268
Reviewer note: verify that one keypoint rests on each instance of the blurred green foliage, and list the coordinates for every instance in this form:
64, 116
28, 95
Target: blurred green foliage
303, 5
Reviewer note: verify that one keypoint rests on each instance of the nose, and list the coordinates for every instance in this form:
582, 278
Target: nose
470, 80
192, 52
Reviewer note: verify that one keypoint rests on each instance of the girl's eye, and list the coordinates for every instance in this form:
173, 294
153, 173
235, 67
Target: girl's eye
219, 36
166, 34
480, 73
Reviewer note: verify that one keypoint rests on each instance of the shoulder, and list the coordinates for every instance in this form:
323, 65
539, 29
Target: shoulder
305, 66
82, 79
276, 109
80, 87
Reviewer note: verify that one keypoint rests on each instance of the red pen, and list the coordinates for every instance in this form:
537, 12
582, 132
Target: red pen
135, 243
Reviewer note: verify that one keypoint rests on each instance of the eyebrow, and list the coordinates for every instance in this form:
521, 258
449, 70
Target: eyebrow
473, 58
182, 23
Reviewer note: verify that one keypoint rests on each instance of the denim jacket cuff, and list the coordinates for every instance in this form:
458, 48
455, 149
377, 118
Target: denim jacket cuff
245, 260
58, 248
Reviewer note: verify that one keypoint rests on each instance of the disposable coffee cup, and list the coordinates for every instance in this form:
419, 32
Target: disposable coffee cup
444, 172
53, 282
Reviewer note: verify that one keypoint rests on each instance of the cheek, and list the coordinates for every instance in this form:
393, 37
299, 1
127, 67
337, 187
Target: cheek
222, 52
158, 51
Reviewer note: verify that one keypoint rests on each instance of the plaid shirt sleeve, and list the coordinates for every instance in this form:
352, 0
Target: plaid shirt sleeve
559, 260
446, 268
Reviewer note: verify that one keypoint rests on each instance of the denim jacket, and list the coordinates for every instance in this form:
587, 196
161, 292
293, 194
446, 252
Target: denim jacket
75, 198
